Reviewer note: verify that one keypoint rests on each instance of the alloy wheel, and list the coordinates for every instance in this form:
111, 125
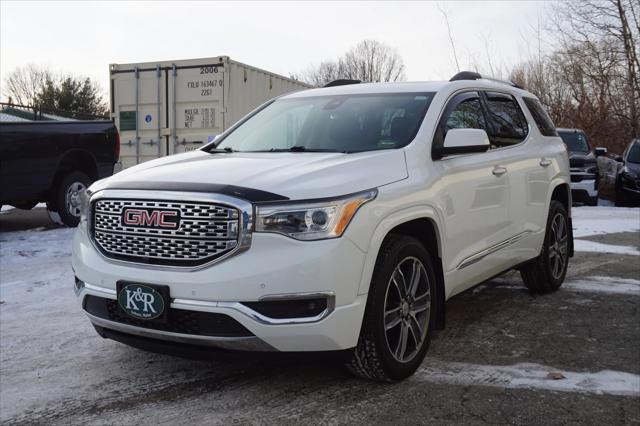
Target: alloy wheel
73, 198
407, 309
558, 245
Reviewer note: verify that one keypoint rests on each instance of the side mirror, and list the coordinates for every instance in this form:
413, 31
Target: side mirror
465, 141
618, 158
600, 151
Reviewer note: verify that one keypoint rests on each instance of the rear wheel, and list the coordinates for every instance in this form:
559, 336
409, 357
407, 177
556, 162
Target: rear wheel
400, 313
66, 198
546, 272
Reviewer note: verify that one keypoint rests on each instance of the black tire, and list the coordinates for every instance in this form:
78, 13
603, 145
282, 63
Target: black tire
592, 201
72, 182
620, 199
373, 357
542, 274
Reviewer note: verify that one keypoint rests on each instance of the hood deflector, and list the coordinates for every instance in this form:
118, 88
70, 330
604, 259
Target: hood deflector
249, 194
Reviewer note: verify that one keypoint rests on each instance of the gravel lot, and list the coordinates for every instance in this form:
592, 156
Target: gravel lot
493, 364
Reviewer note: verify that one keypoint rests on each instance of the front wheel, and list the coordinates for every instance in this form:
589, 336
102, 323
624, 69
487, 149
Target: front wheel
546, 272
66, 199
400, 313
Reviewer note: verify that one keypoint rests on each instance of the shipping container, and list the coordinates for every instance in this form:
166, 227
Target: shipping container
168, 107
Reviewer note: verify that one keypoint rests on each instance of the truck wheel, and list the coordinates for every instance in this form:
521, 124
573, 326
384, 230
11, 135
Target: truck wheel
546, 272
66, 197
400, 312
592, 201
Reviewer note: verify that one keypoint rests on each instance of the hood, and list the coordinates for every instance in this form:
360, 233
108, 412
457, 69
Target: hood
633, 168
296, 175
580, 159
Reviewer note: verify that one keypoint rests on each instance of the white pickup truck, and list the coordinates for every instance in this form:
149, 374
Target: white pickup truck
333, 219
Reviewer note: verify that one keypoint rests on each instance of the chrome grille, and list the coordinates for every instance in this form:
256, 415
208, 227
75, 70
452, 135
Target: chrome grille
206, 231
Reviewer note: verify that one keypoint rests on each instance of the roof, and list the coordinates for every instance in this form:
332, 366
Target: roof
15, 113
568, 130
407, 87
9, 118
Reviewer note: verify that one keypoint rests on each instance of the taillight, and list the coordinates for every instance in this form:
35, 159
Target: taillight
116, 151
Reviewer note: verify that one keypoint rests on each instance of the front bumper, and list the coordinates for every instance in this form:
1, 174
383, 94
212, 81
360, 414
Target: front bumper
274, 266
584, 188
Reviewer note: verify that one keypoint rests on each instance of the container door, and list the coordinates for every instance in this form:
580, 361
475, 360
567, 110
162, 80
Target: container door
139, 112
196, 105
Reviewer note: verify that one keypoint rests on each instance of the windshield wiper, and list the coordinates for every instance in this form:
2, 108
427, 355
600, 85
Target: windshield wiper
223, 150
300, 148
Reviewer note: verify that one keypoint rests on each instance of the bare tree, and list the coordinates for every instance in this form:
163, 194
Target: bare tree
368, 61
453, 45
592, 25
24, 84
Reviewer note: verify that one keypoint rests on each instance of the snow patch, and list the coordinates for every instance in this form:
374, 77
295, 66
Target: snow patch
595, 247
604, 220
605, 285
529, 376
6, 209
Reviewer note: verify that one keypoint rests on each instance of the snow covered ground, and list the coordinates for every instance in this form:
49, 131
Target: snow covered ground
600, 220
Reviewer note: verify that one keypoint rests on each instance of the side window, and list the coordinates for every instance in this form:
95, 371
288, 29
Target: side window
509, 126
464, 111
467, 114
544, 123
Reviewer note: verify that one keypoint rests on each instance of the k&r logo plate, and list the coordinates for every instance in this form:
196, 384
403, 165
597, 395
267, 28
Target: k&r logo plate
141, 301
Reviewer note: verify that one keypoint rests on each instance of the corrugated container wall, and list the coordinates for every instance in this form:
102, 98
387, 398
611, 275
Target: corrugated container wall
163, 108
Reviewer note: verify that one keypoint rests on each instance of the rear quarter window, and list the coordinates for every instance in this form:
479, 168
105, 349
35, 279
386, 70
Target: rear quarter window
540, 116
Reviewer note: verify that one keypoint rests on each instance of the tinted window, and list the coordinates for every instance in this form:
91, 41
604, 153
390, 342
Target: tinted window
343, 123
575, 141
467, 114
634, 153
540, 116
507, 120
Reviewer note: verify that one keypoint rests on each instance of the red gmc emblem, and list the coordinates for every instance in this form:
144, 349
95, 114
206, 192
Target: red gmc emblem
151, 218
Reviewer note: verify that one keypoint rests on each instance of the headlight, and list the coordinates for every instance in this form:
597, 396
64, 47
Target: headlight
85, 197
311, 220
628, 174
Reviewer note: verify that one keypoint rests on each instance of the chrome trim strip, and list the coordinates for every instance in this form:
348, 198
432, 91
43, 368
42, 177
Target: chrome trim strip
97, 289
486, 252
258, 317
245, 220
251, 343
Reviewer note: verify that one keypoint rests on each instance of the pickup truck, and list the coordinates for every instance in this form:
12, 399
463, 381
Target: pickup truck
54, 162
332, 219
583, 166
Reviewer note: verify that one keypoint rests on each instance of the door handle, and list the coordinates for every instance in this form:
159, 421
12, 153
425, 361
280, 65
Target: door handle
499, 170
545, 163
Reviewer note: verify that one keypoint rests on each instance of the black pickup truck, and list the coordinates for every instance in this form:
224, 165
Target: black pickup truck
53, 162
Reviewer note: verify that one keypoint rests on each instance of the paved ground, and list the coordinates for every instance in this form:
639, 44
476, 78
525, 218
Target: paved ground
489, 366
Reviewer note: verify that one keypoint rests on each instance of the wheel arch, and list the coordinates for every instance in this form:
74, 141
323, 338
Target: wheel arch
75, 160
422, 224
562, 193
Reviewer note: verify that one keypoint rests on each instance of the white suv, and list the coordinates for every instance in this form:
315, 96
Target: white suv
332, 219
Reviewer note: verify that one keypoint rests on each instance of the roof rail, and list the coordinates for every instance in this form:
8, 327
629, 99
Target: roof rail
341, 82
466, 75
471, 75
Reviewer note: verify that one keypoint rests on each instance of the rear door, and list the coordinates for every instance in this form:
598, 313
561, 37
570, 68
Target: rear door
512, 139
475, 198
138, 102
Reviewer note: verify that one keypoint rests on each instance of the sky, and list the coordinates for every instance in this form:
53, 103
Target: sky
83, 38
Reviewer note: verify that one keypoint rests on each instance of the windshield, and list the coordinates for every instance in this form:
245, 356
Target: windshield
343, 123
575, 141
634, 154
